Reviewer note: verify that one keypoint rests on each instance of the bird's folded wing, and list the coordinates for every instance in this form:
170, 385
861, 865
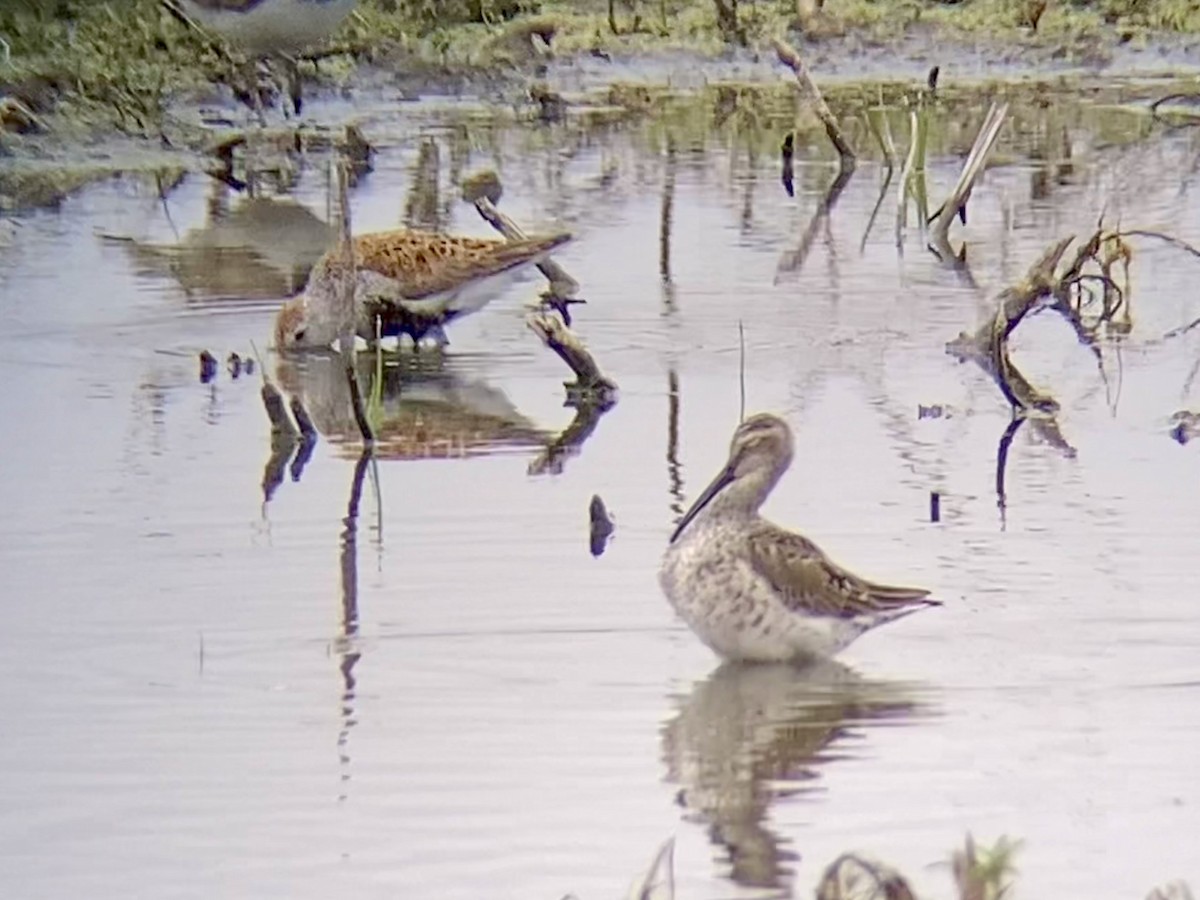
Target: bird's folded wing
810, 582
425, 264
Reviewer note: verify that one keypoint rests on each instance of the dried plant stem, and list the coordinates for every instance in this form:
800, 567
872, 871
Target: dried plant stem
912, 176
971, 170
989, 344
881, 130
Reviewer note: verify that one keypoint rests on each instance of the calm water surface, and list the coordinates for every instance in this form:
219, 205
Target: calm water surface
211, 695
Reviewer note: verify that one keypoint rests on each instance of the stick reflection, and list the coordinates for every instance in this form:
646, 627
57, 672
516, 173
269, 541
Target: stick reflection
347, 647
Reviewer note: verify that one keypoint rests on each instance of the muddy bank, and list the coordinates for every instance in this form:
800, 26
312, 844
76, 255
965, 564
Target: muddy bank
78, 106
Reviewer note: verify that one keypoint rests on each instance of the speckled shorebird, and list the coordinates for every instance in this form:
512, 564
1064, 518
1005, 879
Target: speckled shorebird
264, 28
753, 591
414, 281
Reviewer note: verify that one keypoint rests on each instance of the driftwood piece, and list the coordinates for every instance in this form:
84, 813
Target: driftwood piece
810, 93
591, 385
600, 526
988, 346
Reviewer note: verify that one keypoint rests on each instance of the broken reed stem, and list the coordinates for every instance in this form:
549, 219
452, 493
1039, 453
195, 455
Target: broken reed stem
881, 130
906, 175
591, 382
883, 190
810, 93
985, 140
989, 344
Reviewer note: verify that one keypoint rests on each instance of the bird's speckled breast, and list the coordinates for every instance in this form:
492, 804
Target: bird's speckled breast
734, 610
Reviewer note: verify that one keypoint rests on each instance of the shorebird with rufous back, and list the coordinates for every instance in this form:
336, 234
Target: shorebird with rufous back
413, 282
268, 28
756, 592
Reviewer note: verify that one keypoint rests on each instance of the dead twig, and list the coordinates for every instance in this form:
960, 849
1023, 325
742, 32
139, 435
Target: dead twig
591, 385
810, 93
1158, 235
988, 346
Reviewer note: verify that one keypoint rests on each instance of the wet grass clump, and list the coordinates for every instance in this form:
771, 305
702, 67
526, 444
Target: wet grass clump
119, 65
103, 65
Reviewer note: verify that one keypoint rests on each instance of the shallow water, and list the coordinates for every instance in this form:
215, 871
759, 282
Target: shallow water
212, 695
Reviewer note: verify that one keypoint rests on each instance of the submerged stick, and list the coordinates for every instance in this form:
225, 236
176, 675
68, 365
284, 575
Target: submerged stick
591, 383
812, 95
988, 346
282, 429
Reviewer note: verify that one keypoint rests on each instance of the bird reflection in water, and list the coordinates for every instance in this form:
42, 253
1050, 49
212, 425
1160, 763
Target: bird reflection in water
423, 410
248, 252
750, 734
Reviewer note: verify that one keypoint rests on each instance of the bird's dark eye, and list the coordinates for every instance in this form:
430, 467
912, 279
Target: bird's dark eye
299, 335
